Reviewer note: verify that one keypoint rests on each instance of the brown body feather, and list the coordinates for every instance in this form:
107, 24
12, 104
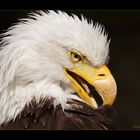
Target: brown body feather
44, 116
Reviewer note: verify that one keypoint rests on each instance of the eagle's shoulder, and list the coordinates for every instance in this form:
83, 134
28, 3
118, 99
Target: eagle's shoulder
45, 116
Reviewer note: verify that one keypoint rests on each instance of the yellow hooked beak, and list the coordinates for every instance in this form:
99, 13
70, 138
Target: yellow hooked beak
83, 77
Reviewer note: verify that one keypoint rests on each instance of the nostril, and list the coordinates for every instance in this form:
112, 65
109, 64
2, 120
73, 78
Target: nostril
101, 74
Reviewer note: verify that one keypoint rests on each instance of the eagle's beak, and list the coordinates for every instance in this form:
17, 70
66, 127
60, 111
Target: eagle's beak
84, 77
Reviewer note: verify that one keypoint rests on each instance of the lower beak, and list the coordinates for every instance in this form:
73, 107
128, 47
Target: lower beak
99, 78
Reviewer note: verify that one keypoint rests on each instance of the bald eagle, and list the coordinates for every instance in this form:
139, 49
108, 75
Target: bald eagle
53, 74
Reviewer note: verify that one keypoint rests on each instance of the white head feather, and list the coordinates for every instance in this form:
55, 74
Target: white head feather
33, 55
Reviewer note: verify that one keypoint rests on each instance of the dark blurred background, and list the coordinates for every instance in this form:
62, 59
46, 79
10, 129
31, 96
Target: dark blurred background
124, 30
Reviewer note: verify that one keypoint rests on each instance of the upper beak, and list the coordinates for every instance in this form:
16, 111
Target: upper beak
100, 78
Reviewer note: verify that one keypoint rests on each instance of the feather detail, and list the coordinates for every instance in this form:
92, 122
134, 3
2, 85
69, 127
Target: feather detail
82, 116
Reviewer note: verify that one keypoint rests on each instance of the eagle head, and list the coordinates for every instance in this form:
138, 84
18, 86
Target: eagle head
52, 55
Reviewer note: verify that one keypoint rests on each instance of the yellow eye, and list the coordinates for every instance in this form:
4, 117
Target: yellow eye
75, 56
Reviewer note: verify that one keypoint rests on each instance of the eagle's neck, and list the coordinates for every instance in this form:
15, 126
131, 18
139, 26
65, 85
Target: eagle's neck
43, 115
13, 99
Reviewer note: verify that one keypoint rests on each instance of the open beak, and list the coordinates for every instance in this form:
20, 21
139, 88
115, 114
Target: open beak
86, 80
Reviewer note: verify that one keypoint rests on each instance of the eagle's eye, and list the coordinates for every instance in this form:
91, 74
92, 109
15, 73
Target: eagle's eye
75, 56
